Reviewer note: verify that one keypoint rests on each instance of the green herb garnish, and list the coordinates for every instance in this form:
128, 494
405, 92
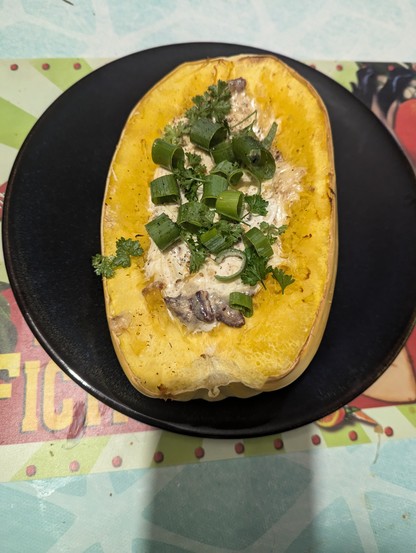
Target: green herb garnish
125, 249
191, 177
197, 250
242, 302
271, 231
163, 231
282, 278
256, 204
268, 140
256, 268
214, 104
174, 133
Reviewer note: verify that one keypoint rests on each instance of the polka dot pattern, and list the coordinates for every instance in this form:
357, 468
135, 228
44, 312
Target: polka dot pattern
239, 448
316, 440
199, 452
158, 457
74, 466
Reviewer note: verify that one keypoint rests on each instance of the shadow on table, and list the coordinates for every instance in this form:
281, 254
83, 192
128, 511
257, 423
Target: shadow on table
260, 501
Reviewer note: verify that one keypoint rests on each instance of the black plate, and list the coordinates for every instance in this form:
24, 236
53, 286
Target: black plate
51, 228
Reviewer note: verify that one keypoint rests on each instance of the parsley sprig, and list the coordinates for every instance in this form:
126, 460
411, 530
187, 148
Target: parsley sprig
174, 133
271, 231
282, 278
197, 250
256, 204
214, 104
125, 249
232, 232
257, 268
190, 176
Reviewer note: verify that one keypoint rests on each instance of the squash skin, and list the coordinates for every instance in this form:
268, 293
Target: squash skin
159, 356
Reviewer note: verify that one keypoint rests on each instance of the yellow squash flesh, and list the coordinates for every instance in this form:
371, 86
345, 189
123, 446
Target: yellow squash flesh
161, 358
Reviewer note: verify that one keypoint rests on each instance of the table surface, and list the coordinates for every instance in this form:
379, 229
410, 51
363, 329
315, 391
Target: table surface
76, 476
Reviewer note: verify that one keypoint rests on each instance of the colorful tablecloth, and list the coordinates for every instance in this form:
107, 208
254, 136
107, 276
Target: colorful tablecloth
77, 476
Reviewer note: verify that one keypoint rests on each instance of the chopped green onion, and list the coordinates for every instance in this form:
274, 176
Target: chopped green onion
260, 242
193, 216
252, 114
223, 168
230, 204
206, 134
268, 140
168, 155
232, 252
164, 190
257, 159
212, 187
163, 231
221, 236
214, 240
228, 170
223, 152
242, 302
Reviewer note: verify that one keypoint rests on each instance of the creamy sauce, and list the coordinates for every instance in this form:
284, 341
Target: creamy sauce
170, 268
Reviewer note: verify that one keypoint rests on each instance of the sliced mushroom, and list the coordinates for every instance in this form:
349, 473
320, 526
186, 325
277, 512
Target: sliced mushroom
237, 85
181, 306
201, 307
204, 307
228, 315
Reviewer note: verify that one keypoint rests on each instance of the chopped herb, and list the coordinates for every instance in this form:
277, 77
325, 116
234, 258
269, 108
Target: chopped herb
282, 278
221, 236
125, 249
271, 231
174, 133
256, 204
249, 151
103, 265
231, 231
214, 104
249, 128
191, 177
195, 161
198, 252
268, 140
256, 268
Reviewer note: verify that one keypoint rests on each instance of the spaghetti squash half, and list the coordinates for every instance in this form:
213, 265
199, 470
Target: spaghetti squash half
214, 308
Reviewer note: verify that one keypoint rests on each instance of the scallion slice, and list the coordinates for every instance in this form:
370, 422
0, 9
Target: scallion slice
193, 216
163, 231
164, 190
251, 153
213, 186
232, 252
213, 240
230, 204
260, 242
167, 155
268, 140
228, 170
223, 152
206, 134
242, 302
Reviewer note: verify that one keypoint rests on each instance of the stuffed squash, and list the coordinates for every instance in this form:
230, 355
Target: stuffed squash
219, 231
